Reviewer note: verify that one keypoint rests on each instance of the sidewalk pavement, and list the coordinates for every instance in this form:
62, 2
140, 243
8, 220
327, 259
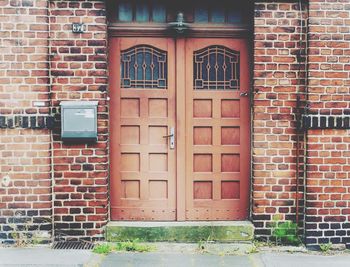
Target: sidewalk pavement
268, 259
44, 256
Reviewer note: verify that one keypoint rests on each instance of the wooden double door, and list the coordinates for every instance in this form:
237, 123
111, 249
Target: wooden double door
179, 129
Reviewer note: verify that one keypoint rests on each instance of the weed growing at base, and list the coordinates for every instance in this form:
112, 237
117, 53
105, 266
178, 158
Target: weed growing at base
105, 248
286, 233
325, 247
132, 246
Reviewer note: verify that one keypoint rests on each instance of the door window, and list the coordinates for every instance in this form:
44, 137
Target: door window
216, 68
144, 66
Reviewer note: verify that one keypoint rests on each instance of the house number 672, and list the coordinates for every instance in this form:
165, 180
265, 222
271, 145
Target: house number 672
78, 27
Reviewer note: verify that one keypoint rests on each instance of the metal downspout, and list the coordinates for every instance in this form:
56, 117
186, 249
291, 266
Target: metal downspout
52, 172
306, 109
299, 112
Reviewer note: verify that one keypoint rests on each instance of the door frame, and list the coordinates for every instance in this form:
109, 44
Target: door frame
199, 31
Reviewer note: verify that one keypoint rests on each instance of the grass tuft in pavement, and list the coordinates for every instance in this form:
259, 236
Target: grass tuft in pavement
132, 246
104, 248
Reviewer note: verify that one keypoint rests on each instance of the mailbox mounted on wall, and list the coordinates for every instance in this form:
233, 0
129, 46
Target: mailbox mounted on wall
79, 121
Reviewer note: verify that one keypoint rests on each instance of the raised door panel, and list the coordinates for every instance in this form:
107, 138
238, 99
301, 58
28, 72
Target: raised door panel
142, 113
217, 129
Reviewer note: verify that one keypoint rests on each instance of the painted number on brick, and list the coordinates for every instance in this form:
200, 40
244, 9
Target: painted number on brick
78, 28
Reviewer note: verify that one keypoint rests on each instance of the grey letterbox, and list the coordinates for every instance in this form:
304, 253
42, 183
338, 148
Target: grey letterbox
79, 121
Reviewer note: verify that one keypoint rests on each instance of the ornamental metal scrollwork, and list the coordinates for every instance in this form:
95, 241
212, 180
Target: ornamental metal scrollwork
144, 66
216, 68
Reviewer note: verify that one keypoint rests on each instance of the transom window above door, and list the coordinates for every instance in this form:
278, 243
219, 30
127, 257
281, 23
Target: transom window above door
198, 12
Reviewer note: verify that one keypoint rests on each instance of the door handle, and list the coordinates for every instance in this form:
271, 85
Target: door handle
171, 136
243, 94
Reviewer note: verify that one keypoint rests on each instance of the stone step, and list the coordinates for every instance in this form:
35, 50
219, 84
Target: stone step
218, 231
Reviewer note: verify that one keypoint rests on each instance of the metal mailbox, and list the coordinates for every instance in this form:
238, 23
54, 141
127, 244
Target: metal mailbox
79, 121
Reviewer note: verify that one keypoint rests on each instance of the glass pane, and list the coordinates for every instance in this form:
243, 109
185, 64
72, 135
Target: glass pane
125, 12
212, 70
142, 12
234, 16
147, 66
218, 15
144, 66
158, 12
220, 61
216, 68
201, 15
138, 64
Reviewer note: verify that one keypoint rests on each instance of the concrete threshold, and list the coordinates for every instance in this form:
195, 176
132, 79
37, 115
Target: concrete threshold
217, 231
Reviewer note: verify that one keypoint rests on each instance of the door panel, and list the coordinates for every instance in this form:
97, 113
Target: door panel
217, 129
142, 114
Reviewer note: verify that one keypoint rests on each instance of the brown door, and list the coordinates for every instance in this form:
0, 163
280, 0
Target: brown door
142, 91
183, 160
217, 129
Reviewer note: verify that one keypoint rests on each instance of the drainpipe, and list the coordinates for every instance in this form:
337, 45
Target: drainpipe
52, 172
299, 115
306, 110
251, 104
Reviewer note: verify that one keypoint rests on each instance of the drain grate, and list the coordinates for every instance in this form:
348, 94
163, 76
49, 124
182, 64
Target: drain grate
72, 245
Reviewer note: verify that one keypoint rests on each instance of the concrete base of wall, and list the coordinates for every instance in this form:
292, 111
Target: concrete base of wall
180, 231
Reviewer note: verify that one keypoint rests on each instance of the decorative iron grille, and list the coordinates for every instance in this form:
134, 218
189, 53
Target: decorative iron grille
144, 66
216, 68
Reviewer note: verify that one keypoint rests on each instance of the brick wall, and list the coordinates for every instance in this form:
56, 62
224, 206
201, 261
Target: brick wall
274, 129
328, 187
328, 180
42, 60
79, 72
25, 200
23, 56
277, 72
25, 185
329, 42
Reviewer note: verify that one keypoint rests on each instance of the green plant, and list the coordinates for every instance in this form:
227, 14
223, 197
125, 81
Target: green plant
21, 239
201, 245
286, 233
253, 249
325, 247
262, 243
104, 248
26, 231
133, 246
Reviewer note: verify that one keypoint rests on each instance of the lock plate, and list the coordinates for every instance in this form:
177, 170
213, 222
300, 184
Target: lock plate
171, 137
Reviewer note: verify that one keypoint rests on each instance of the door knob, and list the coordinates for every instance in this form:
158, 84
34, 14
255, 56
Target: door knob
243, 94
172, 138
